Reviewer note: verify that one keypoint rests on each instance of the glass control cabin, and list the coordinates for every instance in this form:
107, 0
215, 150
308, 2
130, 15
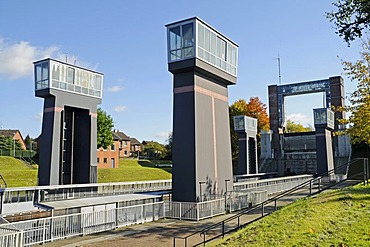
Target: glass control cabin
54, 74
193, 38
244, 123
324, 116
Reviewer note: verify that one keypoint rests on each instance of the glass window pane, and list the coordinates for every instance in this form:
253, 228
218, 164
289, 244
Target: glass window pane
213, 43
56, 72
45, 71
200, 35
175, 38
38, 72
187, 35
207, 39
70, 75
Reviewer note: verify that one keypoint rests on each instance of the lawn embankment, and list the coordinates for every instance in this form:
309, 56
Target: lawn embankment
334, 218
16, 173
134, 170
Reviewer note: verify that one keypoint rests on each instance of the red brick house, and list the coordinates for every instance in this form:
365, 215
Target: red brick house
15, 135
109, 158
124, 144
136, 147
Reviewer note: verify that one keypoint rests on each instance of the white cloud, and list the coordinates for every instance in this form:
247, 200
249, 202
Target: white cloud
162, 134
115, 89
16, 59
38, 116
300, 118
120, 80
119, 108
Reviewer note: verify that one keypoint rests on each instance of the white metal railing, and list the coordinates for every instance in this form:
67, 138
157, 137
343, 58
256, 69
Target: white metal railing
43, 230
26, 195
238, 201
194, 211
10, 237
272, 185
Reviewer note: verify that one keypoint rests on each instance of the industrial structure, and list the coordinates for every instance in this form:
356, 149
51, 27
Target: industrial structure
68, 143
203, 63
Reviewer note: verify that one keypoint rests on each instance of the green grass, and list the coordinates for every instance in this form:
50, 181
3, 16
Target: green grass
134, 170
16, 173
335, 218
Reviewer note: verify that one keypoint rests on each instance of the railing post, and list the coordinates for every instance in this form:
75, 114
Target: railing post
275, 206
204, 239
223, 229
174, 241
238, 222
263, 208
310, 187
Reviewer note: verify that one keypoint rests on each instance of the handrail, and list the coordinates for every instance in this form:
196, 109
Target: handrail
2, 178
274, 199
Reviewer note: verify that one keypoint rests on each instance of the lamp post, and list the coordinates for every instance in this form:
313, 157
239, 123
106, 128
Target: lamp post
200, 190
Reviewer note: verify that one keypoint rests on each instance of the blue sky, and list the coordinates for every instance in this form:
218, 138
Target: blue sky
126, 40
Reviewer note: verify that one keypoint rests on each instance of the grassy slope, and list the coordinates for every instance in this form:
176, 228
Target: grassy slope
335, 218
133, 170
16, 173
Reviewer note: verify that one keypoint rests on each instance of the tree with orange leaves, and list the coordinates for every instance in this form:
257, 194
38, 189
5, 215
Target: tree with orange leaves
254, 108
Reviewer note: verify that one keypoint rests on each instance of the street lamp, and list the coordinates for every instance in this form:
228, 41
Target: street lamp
200, 189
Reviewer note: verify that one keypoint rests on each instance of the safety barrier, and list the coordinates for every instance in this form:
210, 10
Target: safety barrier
10, 237
272, 185
48, 229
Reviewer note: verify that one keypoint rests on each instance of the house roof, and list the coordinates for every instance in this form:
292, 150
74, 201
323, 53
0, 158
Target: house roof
120, 135
134, 141
10, 133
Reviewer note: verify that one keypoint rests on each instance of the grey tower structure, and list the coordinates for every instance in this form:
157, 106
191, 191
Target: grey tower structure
324, 124
246, 127
203, 63
69, 127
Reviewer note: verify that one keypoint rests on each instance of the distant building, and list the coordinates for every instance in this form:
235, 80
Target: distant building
124, 144
136, 147
109, 157
15, 135
123, 147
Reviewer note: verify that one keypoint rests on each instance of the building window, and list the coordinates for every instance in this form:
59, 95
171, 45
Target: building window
125, 152
112, 162
112, 147
97, 160
105, 161
125, 143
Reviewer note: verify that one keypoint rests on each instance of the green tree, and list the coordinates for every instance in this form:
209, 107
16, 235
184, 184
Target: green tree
155, 150
169, 145
359, 120
351, 18
7, 143
292, 127
28, 141
254, 108
105, 126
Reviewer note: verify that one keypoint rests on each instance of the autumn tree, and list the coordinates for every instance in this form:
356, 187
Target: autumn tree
292, 127
359, 119
104, 129
351, 18
254, 108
